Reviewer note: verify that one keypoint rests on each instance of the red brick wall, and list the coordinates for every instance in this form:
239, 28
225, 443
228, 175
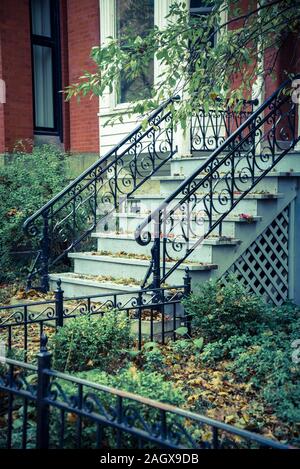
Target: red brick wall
16, 71
288, 59
83, 33
245, 6
79, 32
2, 136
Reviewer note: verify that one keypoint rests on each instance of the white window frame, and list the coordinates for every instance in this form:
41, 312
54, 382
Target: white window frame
108, 103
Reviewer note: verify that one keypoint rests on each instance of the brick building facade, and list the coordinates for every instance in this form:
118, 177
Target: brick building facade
35, 109
78, 30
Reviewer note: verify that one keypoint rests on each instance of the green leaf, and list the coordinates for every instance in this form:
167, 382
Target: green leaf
150, 345
133, 353
181, 330
198, 343
18, 423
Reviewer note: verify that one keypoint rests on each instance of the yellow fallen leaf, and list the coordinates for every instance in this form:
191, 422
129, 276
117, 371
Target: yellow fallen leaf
230, 418
71, 418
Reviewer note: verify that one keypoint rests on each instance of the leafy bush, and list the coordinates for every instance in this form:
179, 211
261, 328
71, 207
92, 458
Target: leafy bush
183, 349
264, 360
219, 311
143, 383
27, 182
152, 357
154, 360
89, 342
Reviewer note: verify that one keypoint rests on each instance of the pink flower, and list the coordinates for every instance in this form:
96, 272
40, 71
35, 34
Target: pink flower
246, 216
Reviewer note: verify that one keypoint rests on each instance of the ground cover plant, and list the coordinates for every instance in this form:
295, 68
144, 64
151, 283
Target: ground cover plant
236, 367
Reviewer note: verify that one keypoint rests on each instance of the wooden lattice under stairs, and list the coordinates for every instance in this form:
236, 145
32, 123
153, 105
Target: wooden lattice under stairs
264, 267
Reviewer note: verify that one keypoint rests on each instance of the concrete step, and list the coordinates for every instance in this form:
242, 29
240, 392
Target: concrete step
79, 285
187, 165
210, 249
169, 184
250, 204
120, 267
74, 285
128, 222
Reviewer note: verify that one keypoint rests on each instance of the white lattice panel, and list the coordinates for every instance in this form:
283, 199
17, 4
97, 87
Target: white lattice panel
263, 267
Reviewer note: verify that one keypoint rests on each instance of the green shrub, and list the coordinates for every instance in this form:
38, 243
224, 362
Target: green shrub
264, 360
153, 360
91, 342
143, 383
219, 311
27, 181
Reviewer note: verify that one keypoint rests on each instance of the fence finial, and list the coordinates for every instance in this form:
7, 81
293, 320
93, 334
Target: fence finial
43, 342
187, 282
187, 276
58, 283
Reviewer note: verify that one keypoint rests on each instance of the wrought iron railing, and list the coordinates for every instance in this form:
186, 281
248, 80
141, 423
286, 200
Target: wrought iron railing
200, 204
154, 315
209, 129
67, 219
43, 408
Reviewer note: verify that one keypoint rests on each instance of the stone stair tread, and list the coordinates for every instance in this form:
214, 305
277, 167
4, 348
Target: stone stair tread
94, 280
182, 177
204, 155
138, 261
253, 195
230, 218
210, 240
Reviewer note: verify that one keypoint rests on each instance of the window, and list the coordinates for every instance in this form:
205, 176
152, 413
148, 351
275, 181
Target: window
136, 16
46, 66
198, 9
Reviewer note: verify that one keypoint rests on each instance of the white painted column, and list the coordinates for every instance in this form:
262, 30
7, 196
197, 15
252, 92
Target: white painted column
107, 28
161, 9
182, 138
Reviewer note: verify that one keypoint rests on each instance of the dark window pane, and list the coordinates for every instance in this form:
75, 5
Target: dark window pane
137, 17
200, 4
41, 18
43, 86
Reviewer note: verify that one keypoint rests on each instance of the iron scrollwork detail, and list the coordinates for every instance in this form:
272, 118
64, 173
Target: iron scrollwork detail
66, 221
200, 204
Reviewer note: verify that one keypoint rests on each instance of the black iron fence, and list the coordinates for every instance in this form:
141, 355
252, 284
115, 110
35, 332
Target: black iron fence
43, 408
155, 315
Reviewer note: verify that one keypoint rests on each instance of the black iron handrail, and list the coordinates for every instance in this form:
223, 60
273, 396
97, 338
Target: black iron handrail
228, 175
69, 217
